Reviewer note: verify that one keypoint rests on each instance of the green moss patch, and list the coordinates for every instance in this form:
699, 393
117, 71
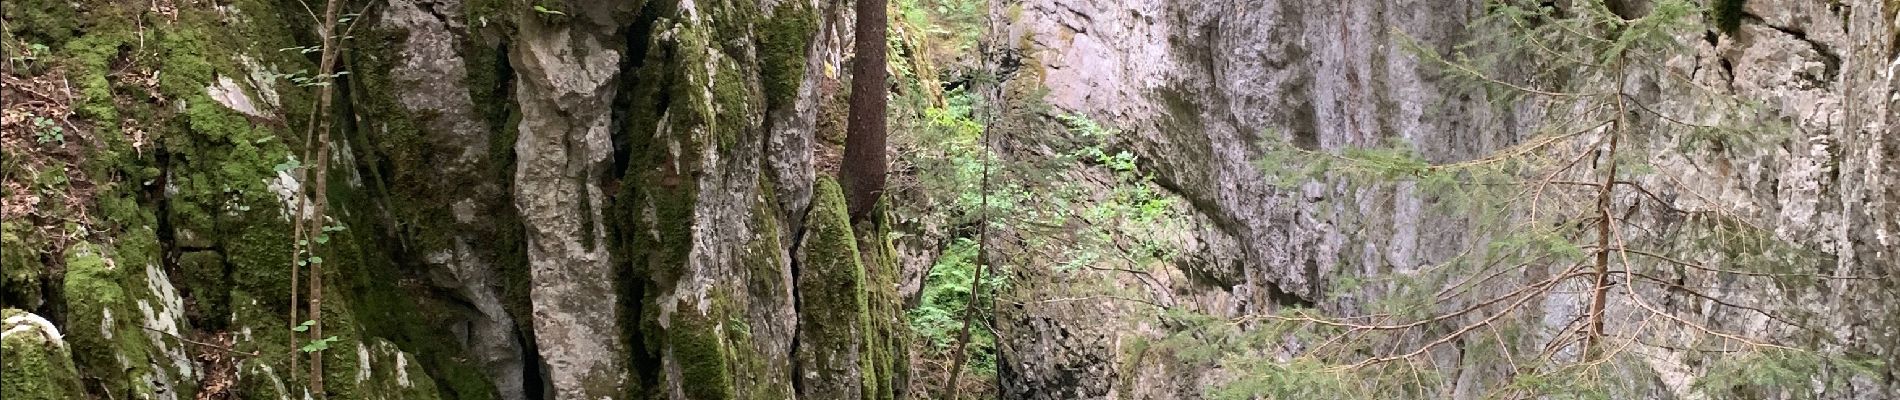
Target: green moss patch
695, 341
831, 303
784, 44
111, 305
38, 365
20, 269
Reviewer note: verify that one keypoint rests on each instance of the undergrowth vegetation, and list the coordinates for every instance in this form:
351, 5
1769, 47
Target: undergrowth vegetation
1080, 208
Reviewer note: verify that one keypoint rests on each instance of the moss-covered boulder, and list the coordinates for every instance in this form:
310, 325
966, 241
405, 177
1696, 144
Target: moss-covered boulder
20, 270
831, 296
125, 319
37, 364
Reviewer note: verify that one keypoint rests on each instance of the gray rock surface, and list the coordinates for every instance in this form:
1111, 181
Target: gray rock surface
567, 73
1198, 84
430, 78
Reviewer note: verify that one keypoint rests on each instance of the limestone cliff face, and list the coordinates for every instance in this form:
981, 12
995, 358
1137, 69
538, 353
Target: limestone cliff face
573, 199
1197, 85
586, 199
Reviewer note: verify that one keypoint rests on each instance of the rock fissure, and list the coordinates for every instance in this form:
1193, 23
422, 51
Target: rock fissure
1829, 58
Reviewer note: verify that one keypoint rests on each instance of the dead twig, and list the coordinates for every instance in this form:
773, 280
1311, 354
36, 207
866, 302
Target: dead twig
203, 344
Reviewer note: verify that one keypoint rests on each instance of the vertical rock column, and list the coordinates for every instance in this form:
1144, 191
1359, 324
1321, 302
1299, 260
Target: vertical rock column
414, 92
566, 75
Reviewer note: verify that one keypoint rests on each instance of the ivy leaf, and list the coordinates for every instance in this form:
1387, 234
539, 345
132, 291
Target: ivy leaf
318, 345
304, 327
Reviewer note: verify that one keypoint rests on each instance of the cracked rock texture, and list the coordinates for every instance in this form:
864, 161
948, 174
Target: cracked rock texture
564, 200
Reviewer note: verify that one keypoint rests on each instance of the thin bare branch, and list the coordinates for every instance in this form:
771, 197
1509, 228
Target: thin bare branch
201, 344
1691, 265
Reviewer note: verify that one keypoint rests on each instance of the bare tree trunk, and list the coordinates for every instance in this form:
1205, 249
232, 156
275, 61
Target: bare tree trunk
864, 162
1605, 194
319, 186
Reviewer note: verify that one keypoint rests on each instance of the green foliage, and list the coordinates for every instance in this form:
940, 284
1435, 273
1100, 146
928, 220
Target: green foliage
317, 345
956, 25
938, 318
1784, 374
1131, 213
1087, 207
33, 52
46, 131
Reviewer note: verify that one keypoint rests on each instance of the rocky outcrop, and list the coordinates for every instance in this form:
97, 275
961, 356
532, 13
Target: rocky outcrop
446, 156
566, 73
1199, 86
604, 199
533, 200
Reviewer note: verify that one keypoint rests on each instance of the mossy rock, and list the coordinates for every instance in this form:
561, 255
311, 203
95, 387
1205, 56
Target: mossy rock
123, 317
832, 306
264, 332
784, 42
695, 341
44, 22
20, 270
386, 372
260, 258
887, 342
38, 365
204, 278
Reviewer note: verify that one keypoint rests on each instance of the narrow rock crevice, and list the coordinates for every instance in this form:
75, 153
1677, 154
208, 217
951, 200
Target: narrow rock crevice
1829, 58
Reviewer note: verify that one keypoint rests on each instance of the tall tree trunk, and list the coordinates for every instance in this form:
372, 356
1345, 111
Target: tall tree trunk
864, 160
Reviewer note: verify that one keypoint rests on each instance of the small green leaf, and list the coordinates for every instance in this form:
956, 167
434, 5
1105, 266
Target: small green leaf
316, 260
287, 165
318, 345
